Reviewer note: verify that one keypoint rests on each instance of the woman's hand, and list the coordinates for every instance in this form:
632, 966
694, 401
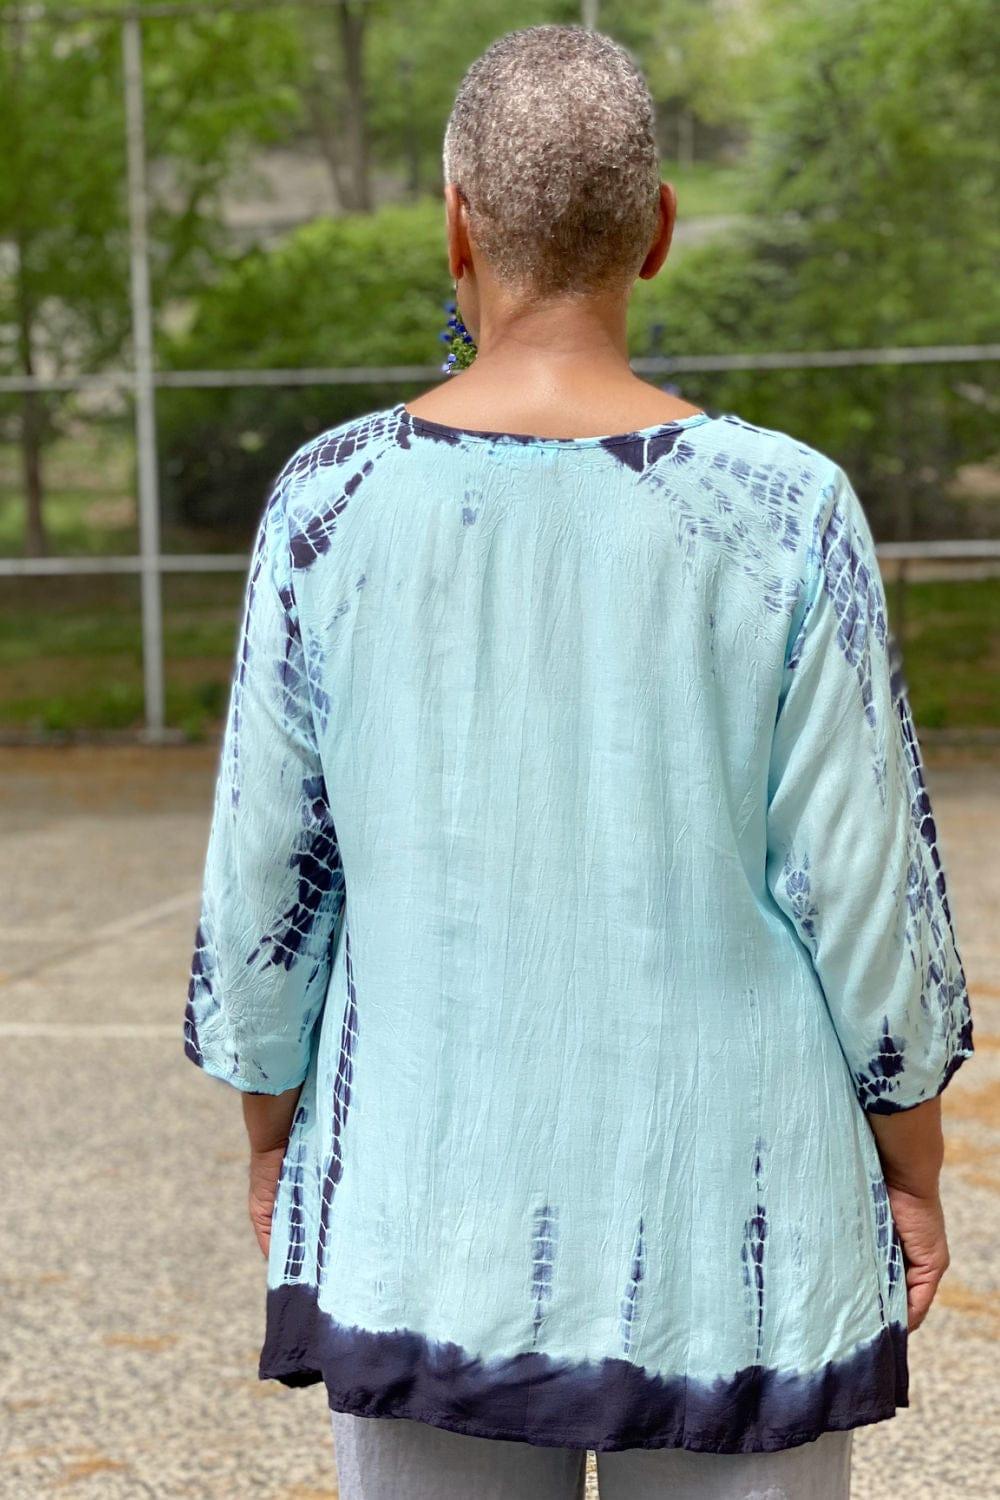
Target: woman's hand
265, 1169
920, 1222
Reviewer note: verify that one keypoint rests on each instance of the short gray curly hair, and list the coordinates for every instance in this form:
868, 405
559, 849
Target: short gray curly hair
551, 142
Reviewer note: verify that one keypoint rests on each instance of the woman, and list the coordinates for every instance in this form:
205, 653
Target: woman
573, 920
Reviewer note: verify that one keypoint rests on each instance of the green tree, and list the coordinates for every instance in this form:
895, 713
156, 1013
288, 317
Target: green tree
872, 181
418, 56
360, 289
63, 211
693, 55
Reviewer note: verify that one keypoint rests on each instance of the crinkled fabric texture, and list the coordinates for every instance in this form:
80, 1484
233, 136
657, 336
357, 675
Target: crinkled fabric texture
572, 849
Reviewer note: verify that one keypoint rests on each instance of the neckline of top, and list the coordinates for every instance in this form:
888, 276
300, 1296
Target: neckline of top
444, 431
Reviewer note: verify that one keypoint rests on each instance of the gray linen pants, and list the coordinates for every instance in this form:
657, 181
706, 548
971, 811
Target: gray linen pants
394, 1458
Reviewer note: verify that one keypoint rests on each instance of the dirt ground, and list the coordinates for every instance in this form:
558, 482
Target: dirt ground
132, 1289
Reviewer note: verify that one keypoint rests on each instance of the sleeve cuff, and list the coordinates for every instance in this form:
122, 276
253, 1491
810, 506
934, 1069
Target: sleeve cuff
890, 1106
226, 1071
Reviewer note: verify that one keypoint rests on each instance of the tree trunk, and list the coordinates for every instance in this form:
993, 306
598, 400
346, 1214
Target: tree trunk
351, 29
329, 143
32, 421
335, 101
36, 542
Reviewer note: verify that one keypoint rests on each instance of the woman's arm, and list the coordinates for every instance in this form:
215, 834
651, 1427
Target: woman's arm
268, 1119
853, 858
911, 1147
273, 892
854, 863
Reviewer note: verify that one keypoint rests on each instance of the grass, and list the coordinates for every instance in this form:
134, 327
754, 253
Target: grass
90, 508
71, 657
951, 656
704, 189
71, 654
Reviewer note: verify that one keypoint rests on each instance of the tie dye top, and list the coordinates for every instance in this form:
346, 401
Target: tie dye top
571, 849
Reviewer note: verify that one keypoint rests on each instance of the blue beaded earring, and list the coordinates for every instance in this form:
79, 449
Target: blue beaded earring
461, 345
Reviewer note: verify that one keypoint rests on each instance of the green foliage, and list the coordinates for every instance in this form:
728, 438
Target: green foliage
213, 89
60, 191
870, 204
694, 55
872, 191
877, 154
365, 289
417, 54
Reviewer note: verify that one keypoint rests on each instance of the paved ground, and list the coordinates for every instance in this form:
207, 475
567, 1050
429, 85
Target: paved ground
131, 1289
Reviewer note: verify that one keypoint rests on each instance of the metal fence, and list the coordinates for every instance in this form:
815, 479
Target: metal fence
143, 379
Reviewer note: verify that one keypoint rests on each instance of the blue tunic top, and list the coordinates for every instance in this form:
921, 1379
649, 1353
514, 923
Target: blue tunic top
571, 848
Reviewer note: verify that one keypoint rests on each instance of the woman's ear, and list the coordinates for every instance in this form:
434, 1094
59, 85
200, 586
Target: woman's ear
457, 231
657, 252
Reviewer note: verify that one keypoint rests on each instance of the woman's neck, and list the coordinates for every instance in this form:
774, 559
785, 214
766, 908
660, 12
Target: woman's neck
581, 395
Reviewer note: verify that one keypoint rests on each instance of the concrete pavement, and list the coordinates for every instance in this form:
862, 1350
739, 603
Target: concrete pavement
132, 1289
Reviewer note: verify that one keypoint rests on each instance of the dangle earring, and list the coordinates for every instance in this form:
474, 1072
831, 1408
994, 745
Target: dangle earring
461, 345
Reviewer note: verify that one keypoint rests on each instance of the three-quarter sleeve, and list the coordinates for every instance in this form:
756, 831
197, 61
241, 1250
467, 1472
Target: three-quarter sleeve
852, 850
273, 890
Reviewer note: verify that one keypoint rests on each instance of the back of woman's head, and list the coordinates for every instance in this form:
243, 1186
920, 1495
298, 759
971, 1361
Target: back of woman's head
551, 143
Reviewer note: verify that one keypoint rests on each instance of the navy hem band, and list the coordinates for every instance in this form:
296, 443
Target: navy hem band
604, 1406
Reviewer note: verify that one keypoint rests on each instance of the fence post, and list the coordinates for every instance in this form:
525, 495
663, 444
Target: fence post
142, 385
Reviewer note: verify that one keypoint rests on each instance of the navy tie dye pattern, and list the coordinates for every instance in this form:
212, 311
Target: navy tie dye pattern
572, 858
274, 890
847, 608
766, 517
930, 934
876, 1082
795, 875
201, 998
355, 450
341, 1105
543, 1255
633, 1289
856, 590
320, 883
639, 453
293, 1180
752, 1255
927, 896
889, 1247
